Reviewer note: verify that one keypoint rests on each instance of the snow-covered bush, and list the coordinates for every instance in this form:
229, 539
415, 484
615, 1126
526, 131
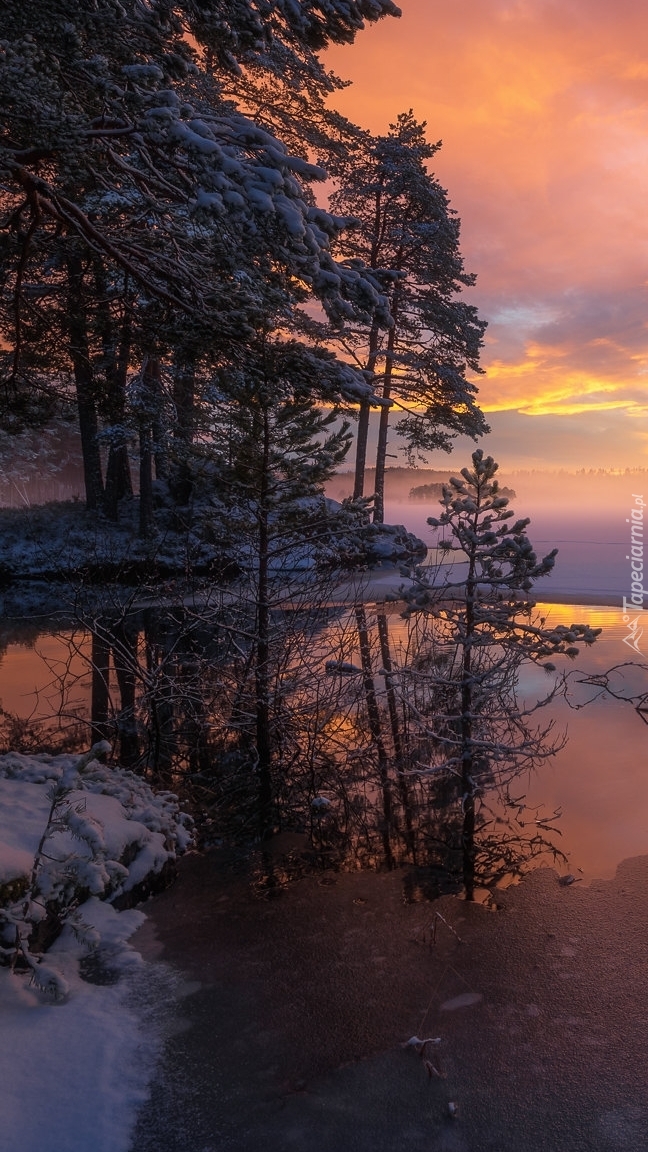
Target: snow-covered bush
71, 829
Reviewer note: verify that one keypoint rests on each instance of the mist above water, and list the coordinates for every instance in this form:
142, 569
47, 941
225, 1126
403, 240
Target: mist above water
584, 515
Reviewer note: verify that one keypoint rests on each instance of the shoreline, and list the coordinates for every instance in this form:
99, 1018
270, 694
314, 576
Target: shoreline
382, 587
47, 599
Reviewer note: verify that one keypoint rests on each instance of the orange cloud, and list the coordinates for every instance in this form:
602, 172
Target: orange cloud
542, 107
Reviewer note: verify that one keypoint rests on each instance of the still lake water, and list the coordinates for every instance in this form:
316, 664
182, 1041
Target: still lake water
599, 781
592, 545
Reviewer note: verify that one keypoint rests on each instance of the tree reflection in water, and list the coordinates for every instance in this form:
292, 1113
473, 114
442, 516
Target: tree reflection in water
353, 727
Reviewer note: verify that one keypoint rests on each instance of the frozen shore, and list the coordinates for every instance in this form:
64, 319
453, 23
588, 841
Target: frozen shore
296, 1038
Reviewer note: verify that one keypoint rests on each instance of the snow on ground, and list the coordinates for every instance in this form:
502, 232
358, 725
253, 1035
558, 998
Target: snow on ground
108, 814
74, 1069
53, 538
74, 1073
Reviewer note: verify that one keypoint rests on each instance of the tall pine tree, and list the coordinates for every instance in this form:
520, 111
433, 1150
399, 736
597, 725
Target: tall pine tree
407, 233
123, 162
271, 452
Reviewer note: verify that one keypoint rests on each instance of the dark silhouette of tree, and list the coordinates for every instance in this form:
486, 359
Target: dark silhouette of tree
484, 631
143, 214
408, 235
277, 452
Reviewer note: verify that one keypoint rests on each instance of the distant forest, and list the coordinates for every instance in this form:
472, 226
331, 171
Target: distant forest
597, 483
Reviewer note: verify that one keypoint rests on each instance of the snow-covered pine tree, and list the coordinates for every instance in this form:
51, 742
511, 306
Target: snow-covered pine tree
407, 229
115, 130
119, 146
484, 630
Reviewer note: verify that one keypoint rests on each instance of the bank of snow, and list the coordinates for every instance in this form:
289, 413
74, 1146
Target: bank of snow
78, 1024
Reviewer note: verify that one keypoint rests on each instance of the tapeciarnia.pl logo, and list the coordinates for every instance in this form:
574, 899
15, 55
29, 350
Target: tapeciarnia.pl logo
635, 520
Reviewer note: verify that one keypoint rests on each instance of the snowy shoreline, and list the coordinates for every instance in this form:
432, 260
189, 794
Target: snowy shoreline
383, 587
81, 1026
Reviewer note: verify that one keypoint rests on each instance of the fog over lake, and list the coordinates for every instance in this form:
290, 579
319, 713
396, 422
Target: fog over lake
583, 514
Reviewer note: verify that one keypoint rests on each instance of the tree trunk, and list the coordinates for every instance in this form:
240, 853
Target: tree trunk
374, 336
375, 729
163, 744
361, 450
146, 512
125, 662
381, 451
118, 477
262, 666
100, 697
160, 454
184, 400
84, 382
159, 426
363, 420
150, 373
468, 848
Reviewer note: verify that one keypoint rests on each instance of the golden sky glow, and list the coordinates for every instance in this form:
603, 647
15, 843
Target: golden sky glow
542, 106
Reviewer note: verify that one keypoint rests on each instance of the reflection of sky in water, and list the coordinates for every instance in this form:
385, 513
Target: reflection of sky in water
600, 780
30, 677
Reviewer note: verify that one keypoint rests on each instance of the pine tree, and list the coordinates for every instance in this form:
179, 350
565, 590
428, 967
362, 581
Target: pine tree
124, 164
112, 119
271, 452
408, 235
484, 632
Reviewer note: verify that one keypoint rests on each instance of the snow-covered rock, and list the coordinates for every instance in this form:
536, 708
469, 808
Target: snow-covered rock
384, 543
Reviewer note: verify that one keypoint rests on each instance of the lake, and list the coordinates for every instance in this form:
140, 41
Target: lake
599, 781
592, 544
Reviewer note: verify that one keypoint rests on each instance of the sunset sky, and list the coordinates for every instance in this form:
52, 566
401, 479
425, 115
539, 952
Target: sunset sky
542, 107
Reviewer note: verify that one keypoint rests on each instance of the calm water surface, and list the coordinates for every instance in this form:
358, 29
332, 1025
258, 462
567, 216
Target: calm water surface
599, 781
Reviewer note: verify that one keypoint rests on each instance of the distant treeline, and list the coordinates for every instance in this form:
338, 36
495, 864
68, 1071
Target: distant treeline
398, 483
591, 485
434, 491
